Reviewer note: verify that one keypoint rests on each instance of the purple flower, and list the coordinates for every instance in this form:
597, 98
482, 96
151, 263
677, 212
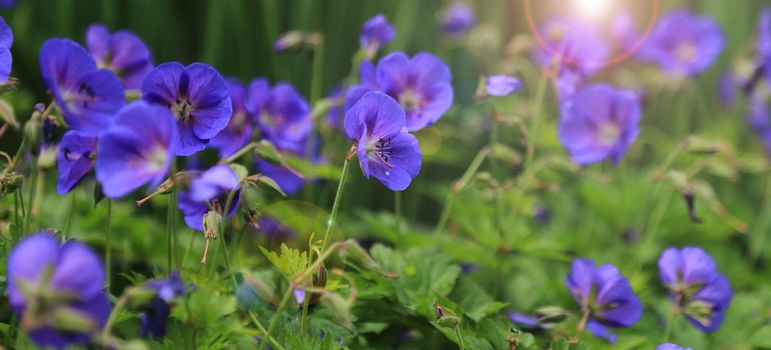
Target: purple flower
524, 320
196, 95
6, 40
136, 150
239, 129
156, 313
670, 346
502, 85
696, 286
376, 33
576, 45
624, 31
336, 112
8, 4
206, 188
727, 89
458, 19
598, 123
282, 114
88, 97
764, 42
684, 43
122, 52
421, 85
384, 147
287, 180
605, 294
75, 159
47, 280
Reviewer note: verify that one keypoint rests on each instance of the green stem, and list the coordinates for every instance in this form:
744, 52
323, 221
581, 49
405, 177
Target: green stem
761, 229
170, 211
654, 221
250, 146
189, 247
398, 211
108, 244
670, 324
540, 94
31, 193
119, 305
68, 216
273, 319
461, 345
457, 187
317, 76
261, 328
584, 319
336, 203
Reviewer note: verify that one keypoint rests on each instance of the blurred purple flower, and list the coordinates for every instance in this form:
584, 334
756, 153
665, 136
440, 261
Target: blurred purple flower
74, 160
384, 147
727, 89
670, 346
576, 45
336, 112
605, 294
239, 130
205, 187
763, 44
696, 286
6, 40
155, 313
502, 85
121, 52
684, 43
524, 320
624, 31
8, 4
88, 97
196, 95
136, 150
598, 123
458, 19
376, 33
47, 280
421, 85
282, 114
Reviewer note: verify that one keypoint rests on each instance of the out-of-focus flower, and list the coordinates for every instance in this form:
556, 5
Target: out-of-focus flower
282, 114
6, 40
51, 285
696, 286
524, 320
670, 346
75, 159
624, 31
8, 4
296, 40
684, 43
421, 85
88, 97
458, 19
763, 44
599, 123
121, 52
384, 147
502, 85
137, 149
727, 89
376, 33
155, 314
605, 294
213, 185
196, 95
239, 129
573, 44
336, 112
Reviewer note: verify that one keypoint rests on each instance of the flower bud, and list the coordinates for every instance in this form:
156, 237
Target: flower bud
33, 135
211, 224
9, 183
250, 196
446, 317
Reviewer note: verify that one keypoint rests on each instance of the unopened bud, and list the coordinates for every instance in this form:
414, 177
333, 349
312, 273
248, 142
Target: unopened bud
33, 135
445, 317
211, 229
9, 183
250, 196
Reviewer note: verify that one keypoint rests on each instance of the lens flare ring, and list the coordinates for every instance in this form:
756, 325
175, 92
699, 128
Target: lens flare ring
622, 56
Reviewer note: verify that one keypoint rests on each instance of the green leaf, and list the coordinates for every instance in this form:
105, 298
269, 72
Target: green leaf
761, 338
290, 262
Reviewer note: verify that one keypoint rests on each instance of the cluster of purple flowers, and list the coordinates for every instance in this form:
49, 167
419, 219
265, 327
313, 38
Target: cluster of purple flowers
697, 289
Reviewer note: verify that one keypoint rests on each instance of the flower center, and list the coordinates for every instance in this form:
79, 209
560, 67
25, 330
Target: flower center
686, 52
410, 100
183, 109
158, 157
272, 120
381, 149
609, 134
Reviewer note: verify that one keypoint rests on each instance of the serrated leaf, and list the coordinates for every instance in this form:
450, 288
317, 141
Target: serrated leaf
290, 262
